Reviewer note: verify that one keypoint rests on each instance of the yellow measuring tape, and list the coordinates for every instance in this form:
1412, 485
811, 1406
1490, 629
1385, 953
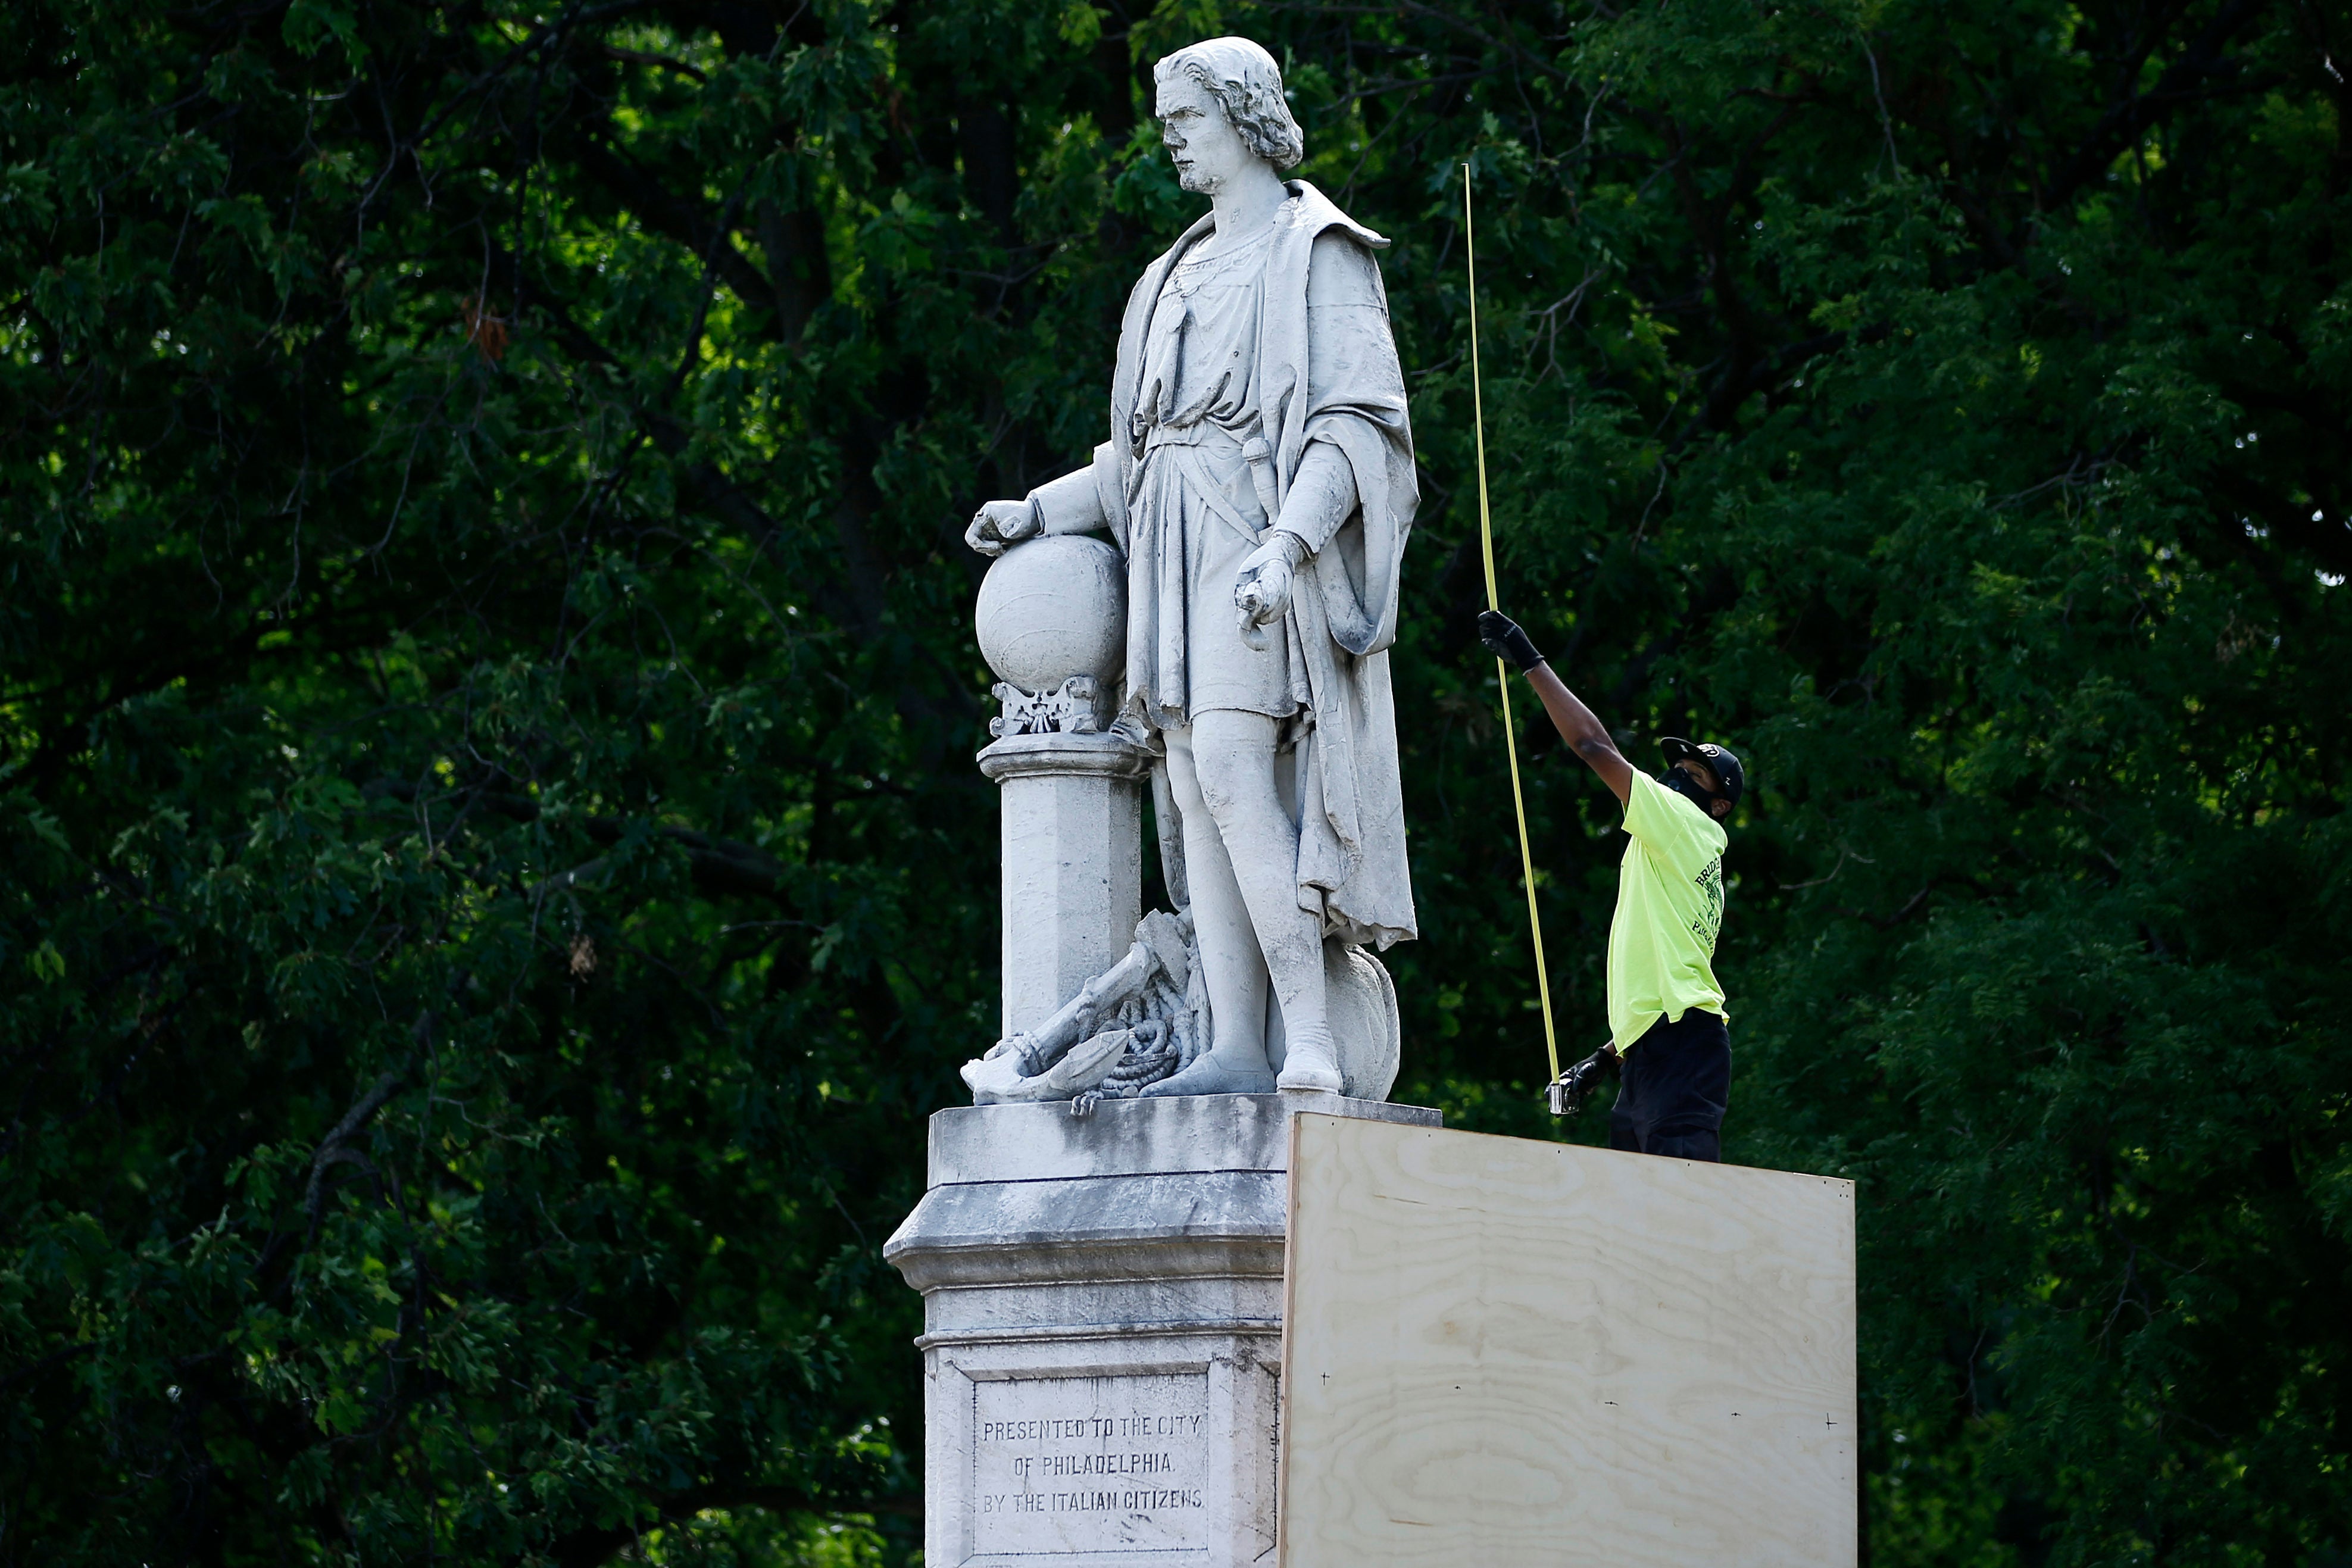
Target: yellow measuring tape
1502, 671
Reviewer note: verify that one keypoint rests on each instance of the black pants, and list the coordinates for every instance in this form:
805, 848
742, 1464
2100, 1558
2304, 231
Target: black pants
1677, 1080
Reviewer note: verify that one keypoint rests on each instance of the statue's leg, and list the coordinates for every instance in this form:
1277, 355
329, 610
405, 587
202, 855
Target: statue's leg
1232, 968
1234, 757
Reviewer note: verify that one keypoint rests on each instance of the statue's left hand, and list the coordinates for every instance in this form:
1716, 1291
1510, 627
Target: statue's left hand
1262, 588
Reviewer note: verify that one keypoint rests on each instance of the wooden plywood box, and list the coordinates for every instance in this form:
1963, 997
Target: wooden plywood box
1498, 1352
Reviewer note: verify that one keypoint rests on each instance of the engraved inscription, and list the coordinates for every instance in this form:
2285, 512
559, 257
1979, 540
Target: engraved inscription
1066, 1465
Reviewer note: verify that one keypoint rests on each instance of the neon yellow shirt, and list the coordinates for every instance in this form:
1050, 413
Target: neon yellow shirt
1669, 909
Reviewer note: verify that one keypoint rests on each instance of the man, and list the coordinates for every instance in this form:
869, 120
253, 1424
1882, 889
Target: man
1667, 1025
1259, 479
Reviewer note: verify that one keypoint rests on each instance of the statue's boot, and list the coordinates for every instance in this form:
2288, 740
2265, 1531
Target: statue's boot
1210, 1076
1310, 1062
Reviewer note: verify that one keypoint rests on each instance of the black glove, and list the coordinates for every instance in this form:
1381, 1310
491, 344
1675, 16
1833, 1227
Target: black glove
1573, 1089
1505, 638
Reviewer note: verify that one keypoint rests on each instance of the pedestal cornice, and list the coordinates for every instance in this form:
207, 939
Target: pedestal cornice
1058, 753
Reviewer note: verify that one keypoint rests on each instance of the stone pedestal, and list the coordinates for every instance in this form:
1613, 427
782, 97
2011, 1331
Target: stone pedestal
1073, 834
1102, 1303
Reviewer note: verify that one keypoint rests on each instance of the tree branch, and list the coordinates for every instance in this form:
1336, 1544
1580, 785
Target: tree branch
330, 1148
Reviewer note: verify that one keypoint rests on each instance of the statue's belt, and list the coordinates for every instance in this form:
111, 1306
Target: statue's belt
1213, 442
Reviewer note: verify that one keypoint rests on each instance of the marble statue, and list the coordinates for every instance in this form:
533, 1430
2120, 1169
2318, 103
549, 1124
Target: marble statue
1259, 486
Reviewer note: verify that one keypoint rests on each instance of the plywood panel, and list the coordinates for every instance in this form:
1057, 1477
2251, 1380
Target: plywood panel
1501, 1353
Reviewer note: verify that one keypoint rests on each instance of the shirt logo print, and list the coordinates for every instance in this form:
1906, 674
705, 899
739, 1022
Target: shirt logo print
1709, 923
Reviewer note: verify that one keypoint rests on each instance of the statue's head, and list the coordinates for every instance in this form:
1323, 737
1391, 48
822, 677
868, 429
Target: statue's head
1219, 107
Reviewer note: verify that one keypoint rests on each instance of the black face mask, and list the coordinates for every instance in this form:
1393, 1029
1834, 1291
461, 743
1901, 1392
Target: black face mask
1682, 783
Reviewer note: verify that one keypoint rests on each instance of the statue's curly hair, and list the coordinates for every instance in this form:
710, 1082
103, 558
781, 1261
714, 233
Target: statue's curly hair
1247, 85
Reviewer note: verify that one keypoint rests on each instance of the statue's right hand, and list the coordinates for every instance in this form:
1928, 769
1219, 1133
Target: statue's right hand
1002, 523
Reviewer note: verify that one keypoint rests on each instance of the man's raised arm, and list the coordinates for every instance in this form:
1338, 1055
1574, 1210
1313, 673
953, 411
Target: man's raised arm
1577, 724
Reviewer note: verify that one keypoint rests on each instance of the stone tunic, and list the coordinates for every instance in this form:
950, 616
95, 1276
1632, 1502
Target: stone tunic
1196, 515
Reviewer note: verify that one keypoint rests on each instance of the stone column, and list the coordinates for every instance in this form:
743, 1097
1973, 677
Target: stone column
1073, 847
1102, 1306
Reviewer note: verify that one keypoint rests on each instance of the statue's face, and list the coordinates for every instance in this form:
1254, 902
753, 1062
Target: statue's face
1207, 150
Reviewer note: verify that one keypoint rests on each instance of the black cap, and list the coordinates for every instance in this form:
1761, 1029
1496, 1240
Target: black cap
1727, 767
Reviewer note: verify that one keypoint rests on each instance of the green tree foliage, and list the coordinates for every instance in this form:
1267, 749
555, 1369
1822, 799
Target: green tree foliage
490, 875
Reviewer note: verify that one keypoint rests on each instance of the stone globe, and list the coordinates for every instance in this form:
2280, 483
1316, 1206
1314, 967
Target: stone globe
1054, 607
